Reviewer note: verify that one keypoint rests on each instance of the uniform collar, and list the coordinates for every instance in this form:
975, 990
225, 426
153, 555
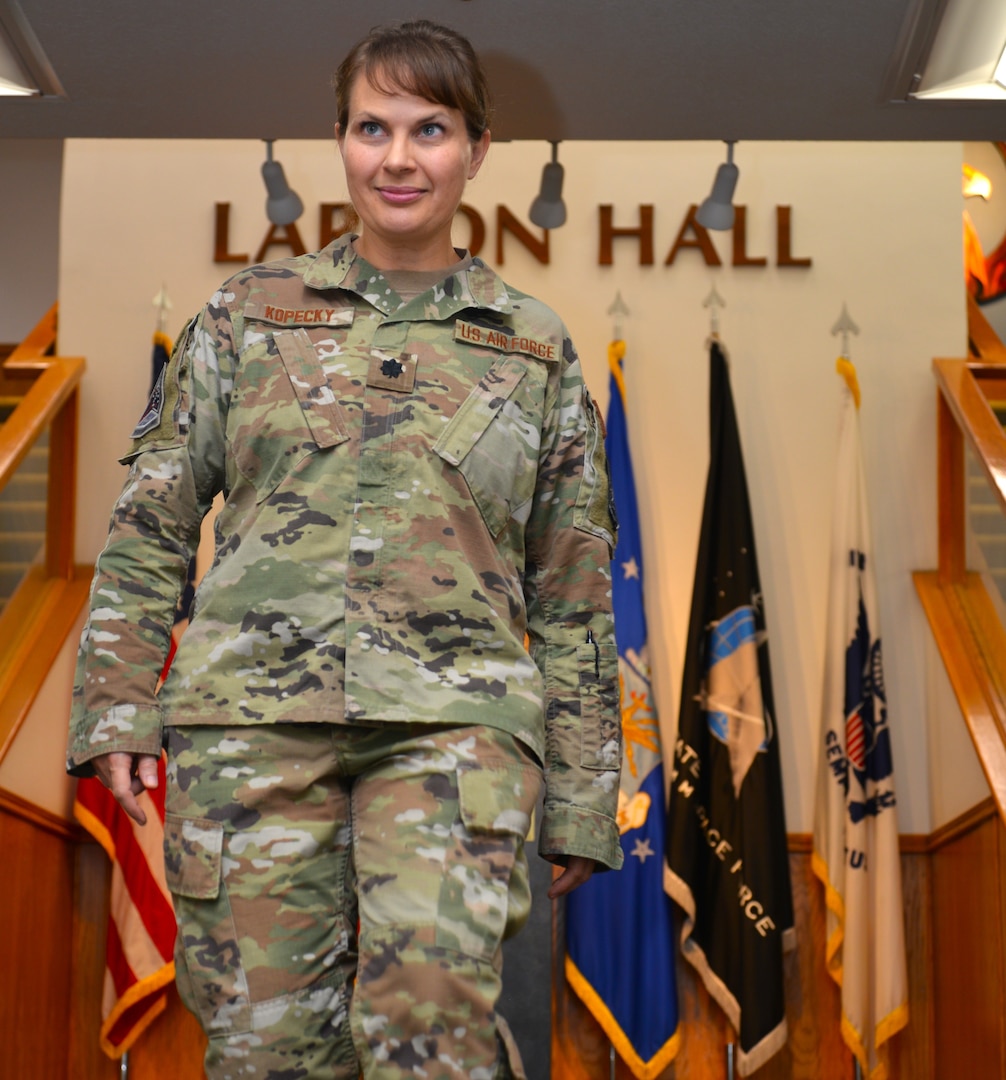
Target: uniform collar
338, 266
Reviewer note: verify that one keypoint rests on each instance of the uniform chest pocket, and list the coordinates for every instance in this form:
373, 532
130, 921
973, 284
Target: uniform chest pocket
493, 441
282, 410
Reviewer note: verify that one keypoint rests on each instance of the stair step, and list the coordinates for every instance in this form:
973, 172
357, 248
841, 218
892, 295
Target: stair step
995, 561
25, 487
987, 520
980, 493
22, 515
11, 574
20, 547
36, 461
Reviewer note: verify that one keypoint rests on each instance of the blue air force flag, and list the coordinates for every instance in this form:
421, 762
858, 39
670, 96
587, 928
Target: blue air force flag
619, 936
729, 865
855, 822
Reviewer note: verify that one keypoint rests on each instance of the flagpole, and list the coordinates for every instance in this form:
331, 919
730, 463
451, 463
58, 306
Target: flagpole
611, 1061
124, 1066
730, 1061
858, 1073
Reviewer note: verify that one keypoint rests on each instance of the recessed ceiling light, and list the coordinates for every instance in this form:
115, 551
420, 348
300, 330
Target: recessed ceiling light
966, 60
14, 80
25, 70
1000, 72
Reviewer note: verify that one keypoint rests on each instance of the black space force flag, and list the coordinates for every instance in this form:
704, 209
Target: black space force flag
726, 845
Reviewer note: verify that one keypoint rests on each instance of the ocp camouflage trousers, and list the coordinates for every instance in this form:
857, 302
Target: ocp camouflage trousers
342, 894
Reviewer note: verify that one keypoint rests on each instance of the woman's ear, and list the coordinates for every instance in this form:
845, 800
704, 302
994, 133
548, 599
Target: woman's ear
479, 150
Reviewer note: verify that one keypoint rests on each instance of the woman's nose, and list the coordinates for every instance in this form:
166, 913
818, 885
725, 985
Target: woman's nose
399, 156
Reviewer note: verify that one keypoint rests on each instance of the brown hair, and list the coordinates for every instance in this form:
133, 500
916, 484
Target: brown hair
421, 58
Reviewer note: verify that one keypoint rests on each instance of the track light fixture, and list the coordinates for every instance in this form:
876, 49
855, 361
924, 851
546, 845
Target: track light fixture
548, 210
282, 206
717, 211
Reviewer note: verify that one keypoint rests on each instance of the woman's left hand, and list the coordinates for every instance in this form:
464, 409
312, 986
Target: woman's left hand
578, 869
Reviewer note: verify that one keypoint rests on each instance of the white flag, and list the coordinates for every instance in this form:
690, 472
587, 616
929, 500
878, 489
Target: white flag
856, 822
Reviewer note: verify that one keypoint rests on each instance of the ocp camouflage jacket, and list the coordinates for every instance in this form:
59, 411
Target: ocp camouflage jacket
411, 494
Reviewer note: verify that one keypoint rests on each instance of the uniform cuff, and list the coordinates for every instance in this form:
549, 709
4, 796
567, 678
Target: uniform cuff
574, 830
127, 729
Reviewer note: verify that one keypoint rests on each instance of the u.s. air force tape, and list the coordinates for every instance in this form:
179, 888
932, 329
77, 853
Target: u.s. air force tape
500, 339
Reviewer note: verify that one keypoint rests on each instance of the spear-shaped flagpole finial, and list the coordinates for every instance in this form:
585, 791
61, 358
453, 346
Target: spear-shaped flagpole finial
714, 302
845, 326
163, 304
617, 310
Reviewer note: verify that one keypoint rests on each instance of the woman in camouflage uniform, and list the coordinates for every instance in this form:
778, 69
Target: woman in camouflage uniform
405, 630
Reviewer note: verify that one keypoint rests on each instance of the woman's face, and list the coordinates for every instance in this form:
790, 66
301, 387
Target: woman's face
407, 161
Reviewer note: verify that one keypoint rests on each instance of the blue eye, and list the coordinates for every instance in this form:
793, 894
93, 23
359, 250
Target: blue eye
430, 130
370, 127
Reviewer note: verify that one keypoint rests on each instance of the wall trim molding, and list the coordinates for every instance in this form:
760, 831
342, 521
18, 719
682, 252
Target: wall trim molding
917, 843
18, 807
962, 824
797, 843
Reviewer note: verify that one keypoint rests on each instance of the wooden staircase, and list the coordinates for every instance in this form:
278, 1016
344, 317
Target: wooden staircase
22, 512
965, 597
41, 589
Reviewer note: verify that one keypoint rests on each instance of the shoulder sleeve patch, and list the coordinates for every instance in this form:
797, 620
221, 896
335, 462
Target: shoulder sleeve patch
164, 421
155, 406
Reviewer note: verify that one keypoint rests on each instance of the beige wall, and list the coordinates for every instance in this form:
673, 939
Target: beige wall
29, 232
35, 765
882, 225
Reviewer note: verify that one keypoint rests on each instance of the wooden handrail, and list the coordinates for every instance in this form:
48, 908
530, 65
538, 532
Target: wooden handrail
972, 644
962, 613
960, 388
984, 341
45, 606
31, 354
57, 381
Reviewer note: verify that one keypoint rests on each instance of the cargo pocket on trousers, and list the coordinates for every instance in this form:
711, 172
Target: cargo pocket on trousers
486, 895
600, 716
208, 971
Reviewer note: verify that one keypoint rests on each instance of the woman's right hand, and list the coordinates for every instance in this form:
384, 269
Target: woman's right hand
126, 775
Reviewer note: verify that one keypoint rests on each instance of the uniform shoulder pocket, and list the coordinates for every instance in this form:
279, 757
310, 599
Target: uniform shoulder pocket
310, 384
494, 439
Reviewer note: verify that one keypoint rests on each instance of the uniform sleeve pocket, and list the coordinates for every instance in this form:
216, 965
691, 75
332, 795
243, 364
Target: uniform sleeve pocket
600, 718
595, 504
193, 856
498, 797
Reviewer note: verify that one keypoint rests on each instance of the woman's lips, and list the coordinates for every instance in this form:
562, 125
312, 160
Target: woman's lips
400, 196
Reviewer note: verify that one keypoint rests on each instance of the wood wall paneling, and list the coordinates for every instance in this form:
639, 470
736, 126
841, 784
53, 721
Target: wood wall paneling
36, 921
967, 948
90, 927
815, 1049
52, 960
174, 1036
